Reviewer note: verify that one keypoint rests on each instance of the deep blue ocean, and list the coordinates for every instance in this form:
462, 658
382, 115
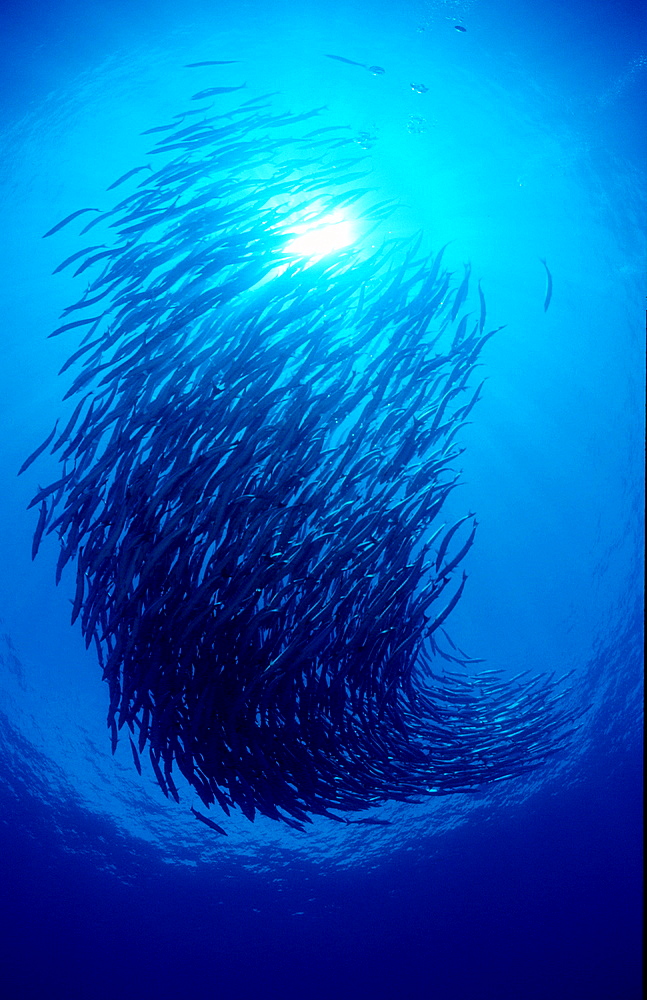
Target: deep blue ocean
525, 143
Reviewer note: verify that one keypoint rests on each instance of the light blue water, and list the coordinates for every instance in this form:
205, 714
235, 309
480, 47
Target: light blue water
528, 144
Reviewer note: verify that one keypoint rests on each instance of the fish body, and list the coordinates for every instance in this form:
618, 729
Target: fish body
349, 62
158, 128
41, 448
549, 285
68, 219
208, 822
375, 70
211, 62
214, 91
135, 755
129, 173
371, 821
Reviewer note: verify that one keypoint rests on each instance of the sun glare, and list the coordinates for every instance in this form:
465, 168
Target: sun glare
316, 239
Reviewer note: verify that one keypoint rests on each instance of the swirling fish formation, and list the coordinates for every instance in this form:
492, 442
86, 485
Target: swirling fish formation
252, 486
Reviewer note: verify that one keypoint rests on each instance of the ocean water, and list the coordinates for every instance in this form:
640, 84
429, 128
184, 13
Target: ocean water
528, 144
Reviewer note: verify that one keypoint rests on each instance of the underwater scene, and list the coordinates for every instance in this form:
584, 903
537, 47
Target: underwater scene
322, 397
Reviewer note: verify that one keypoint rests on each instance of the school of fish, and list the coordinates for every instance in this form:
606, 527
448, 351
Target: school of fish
253, 481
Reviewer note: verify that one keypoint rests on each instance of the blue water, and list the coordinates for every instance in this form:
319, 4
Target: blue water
529, 143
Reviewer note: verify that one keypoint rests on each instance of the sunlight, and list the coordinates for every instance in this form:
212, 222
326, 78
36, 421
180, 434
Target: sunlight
317, 238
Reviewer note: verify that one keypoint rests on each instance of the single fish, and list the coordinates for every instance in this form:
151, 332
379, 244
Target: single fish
75, 256
71, 326
72, 421
375, 70
212, 62
462, 553
483, 310
193, 111
450, 607
459, 27
549, 285
40, 527
89, 262
159, 128
447, 539
208, 822
135, 756
124, 177
419, 88
349, 62
212, 91
261, 97
69, 218
156, 768
34, 455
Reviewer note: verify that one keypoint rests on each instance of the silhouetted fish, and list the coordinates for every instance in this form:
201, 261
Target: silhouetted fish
129, 173
253, 482
375, 70
159, 128
549, 285
212, 91
211, 62
38, 451
208, 822
349, 62
371, 821
69, 218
